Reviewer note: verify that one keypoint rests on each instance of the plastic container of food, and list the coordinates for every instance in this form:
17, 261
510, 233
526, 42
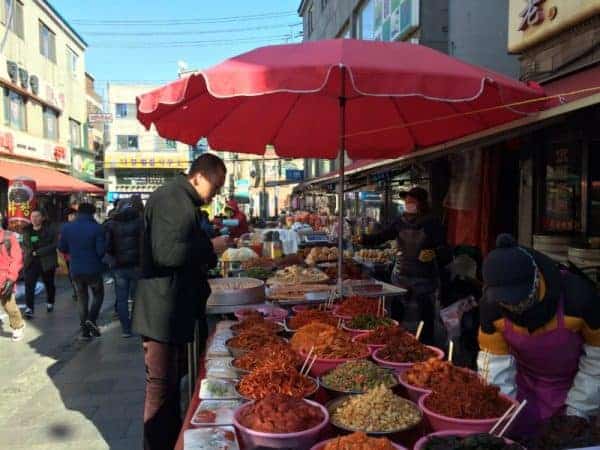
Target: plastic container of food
321, 445
372, 347
445, 423
310, 394
399, 367
420, 444
272, 313
356, 332
324, 365
416, 392
300, 439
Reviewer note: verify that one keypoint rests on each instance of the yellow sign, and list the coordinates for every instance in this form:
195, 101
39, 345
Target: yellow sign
531, 22
147, 160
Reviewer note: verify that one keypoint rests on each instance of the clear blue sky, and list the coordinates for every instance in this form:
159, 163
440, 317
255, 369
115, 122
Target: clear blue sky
133, 40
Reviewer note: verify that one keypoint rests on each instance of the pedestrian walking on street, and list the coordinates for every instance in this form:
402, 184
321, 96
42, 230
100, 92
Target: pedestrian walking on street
173, 290
11, 263
70, 214
83, 240
40, 260
124, 239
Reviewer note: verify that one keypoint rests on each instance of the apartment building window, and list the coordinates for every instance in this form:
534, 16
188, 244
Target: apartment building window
323, 4
127, 142
171, 145
75, 132
47, 42
309, 20
16, 23
125, 110
50, 123
72, 62
366, 21
14, 110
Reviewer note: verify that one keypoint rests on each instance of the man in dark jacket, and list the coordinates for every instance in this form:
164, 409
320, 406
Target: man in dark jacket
40, 260
83, 240
173, 290
124, 235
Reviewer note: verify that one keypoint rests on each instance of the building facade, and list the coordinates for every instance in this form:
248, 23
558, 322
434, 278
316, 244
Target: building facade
136, 160
42, 76
557, 44
87, 162
471, 30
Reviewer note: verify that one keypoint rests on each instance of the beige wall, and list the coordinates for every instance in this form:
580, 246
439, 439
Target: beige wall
58, 85
149, 141
568, 14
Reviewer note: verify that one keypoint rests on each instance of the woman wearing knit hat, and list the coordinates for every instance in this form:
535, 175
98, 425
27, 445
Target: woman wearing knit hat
540, 334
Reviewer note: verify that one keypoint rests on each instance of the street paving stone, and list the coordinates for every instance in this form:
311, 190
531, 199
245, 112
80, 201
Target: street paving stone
60, 393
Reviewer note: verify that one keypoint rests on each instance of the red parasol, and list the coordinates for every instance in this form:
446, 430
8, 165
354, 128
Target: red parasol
309, 100
398, 97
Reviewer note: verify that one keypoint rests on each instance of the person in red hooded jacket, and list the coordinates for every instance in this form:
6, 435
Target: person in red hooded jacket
232, 210
11, 263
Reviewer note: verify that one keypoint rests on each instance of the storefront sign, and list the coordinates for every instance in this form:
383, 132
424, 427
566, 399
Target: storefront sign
147, 160
7, 142
294, 175
374, 197
83, 164
21, 144
100, 118
532, 22
532, 14
112, 196
21, 201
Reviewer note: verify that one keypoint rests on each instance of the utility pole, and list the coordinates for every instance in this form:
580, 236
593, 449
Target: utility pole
265, 209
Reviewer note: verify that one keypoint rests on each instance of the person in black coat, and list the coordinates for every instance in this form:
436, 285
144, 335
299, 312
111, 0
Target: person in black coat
40, 239
173, 289
420, 236
124, 244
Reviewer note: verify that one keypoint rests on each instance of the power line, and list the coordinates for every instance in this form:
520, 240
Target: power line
189, 32
205, 43
178, 22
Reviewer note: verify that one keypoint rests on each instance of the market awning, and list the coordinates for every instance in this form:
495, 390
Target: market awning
48, 180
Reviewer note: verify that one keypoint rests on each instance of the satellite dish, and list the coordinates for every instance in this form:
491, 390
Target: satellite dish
182, 66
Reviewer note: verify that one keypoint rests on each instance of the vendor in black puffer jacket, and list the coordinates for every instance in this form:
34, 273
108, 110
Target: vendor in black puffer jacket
124, 236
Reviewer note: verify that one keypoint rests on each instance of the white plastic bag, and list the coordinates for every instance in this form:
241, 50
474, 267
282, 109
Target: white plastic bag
452, 315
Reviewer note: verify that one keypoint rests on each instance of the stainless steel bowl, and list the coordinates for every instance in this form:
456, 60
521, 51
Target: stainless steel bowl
236, 291
333, 405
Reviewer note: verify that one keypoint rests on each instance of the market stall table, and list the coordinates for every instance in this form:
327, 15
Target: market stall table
321, 397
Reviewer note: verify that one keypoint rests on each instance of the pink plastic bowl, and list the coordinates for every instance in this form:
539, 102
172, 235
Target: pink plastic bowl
272, 313
356, 332
300, 439
398, 367
420, 445
415, 392
321, 445
444, 423
323, 365
372, 347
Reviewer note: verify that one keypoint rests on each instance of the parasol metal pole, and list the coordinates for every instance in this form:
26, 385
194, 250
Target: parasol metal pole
341, 159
